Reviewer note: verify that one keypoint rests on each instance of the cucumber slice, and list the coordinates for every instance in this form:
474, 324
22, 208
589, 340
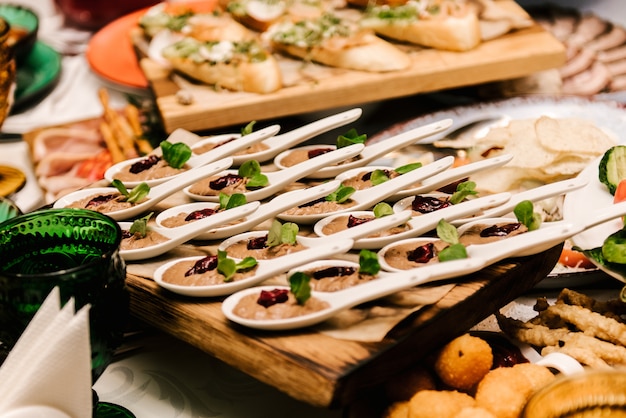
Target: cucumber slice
612, 167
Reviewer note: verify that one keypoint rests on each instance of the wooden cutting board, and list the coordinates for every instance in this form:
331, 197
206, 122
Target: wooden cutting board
516, 54
325, 371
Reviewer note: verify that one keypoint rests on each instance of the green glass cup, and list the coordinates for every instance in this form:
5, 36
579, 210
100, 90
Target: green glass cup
76, 250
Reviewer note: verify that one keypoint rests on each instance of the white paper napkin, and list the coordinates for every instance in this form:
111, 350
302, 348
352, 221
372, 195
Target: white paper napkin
49, 369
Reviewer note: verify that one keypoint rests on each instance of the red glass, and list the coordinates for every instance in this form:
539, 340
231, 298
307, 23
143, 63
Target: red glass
94, 14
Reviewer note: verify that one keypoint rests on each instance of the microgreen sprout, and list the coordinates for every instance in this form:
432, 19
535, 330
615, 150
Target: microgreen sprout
231, 201
282, 233
464, 189
524, 212
140, 226
350, 138
248, 129
368, 262
176, 155
341, 195
251, 170
382, 209
300, 286
228, 267
449, 234
136, 194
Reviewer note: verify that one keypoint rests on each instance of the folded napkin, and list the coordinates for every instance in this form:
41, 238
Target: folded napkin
48, 372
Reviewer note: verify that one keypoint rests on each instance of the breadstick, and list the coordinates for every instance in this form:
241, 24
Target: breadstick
120, 132
111, 143
132, 114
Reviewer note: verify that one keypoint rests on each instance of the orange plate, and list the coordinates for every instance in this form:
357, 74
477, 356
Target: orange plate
110, 52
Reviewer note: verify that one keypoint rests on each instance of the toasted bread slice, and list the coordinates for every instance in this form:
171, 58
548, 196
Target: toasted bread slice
238, 66
453, 29
332, 41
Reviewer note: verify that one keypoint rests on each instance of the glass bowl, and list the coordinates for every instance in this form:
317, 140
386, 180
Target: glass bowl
76, 250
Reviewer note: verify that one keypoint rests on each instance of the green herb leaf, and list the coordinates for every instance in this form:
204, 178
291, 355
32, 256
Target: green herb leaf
368, 262
249, 169
120, 187
378, 177
382, 209
248, 129
300, 286
447, 232
463, 190
228, 267
232, 201
138, 193
407, 167
140, 226
524, 212
453, 252
257, 181
350, 138
176, 155
340, 195
282, 233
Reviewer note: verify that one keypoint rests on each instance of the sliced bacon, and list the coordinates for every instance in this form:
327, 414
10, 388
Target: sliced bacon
613, 54
58, 163
589, 82
73, 140
616, 67
578, 63
589, 27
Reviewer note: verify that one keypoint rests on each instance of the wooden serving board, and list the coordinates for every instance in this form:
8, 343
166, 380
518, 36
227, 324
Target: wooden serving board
516, 54
325, 371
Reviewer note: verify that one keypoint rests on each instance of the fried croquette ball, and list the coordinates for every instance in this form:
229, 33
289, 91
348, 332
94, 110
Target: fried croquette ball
504, 391
537, 375
408, 383
474, 412
438, 403
397, 410
464, 361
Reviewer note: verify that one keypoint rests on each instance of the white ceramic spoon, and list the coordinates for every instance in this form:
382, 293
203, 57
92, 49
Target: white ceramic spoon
534, 195
195, 160
386, 284
183, 233
266, 269
282, 142
422, 223
353, 233
156, 194
266, 211
365, 199
278, 180
370, 152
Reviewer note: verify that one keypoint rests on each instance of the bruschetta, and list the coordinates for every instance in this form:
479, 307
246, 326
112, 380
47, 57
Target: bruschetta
213, 26
239, 66
440, 24
259, 15
336, 42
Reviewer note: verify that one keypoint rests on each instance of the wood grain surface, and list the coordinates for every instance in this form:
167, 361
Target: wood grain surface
328, 372
513, 55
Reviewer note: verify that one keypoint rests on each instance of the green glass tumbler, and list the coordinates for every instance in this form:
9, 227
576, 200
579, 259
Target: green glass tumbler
76, 250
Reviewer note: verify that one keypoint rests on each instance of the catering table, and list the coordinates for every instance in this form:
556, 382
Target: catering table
158, 374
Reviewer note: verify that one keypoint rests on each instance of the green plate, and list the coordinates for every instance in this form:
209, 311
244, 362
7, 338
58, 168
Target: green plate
37, 74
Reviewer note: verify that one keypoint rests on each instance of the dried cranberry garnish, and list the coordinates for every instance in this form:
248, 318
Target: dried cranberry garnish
203, 265
268, 298
257, 243
200, 214
355, 221
98, 200
225, 181
422, 254
487, 153
500, 231
312, 202
126, 234
368, 175
144, 164
427, 204
336, 271
318, 151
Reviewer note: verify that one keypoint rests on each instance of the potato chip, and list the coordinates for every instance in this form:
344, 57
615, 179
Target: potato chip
572, 136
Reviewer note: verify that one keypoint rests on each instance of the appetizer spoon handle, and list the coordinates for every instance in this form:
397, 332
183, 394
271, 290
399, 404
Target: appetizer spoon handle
602, 215
185, 179
232, 147
313, 164
538, 193
371, 227
456, 173
293, 198
308, 131
374, 194
409, 137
